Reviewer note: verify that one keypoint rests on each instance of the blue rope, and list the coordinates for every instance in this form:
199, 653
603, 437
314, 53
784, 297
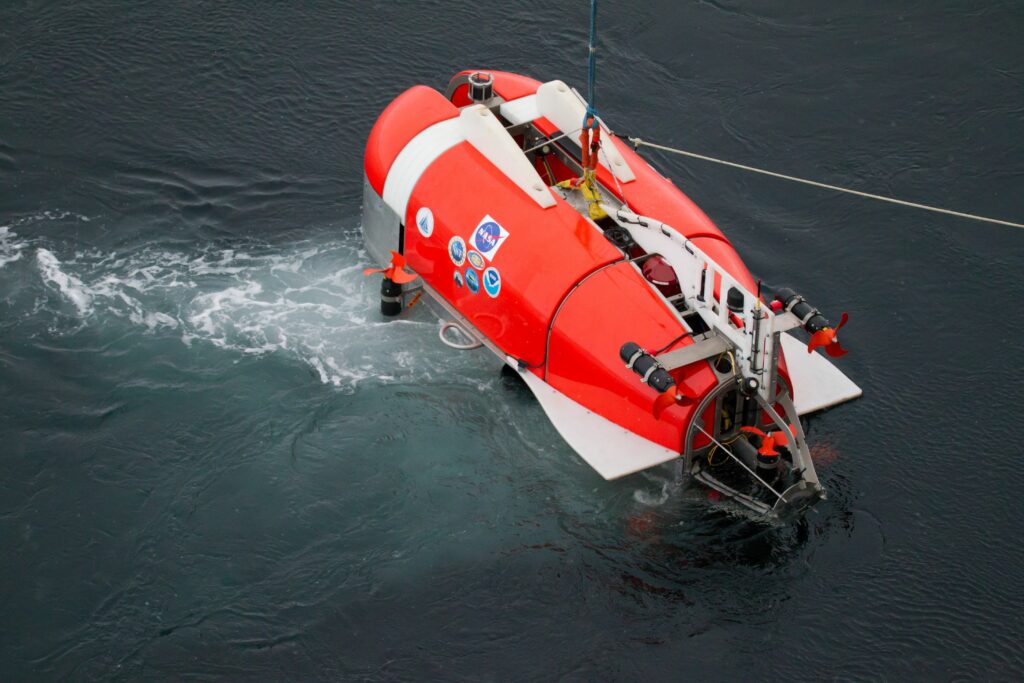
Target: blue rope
591, 68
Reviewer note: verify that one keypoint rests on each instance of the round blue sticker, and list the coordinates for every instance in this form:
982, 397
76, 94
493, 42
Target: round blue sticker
492, 282
473, 281
486, 236
457, 250
458, 279
475, 259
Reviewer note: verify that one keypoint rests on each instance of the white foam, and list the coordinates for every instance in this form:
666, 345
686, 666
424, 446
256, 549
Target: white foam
69, 285
308, 301
649, 498
10, 246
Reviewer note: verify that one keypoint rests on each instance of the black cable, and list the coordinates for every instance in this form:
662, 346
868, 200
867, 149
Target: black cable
674, 341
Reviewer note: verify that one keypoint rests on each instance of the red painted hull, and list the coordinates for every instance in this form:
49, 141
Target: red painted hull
568, 300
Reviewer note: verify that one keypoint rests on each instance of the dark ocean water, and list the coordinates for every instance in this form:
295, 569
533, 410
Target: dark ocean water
217, 462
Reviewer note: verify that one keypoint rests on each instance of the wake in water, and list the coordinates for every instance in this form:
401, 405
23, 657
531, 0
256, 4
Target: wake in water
68, 285
10, 246
308, 301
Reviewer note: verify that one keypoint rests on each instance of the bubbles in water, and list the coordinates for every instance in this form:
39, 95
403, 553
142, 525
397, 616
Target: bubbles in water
653, 498
10, 246
69, 285
308, 300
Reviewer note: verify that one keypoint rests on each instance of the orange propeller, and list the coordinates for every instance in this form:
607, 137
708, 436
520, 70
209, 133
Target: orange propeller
670, 397
827, 337
768, 441
395, 271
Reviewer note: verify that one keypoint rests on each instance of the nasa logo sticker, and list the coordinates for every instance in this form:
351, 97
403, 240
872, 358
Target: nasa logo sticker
425, 221
473, 281
488, 237
457, 250
492, 282
475, 259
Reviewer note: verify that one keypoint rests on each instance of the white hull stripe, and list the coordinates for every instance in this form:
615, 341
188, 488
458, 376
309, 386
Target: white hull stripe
415, 158
480, 128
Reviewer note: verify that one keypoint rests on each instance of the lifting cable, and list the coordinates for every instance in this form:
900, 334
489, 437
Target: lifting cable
591, 61
743, 167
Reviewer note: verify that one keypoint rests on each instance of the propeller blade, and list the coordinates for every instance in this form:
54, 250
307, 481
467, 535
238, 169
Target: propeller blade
821, 338
665, 400
827, 338
400, 276
397, 260
835, 350
780, 439
684, 394
393, 272
768, 446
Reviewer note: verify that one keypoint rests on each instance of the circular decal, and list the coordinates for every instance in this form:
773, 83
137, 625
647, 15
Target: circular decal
486, 236
425, 221
457, 250
475, 259
473, 281
492, 282
458, 279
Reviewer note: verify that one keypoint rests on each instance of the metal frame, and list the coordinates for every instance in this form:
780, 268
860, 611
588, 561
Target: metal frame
809, 485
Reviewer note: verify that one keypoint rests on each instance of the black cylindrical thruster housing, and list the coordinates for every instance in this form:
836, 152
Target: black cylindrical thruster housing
801, 310
628, 350
390, 297
785, 294
658, 379
817, 322
643, 364
745, 451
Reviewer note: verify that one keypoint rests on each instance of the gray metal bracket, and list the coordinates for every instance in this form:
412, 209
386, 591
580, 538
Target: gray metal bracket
705, 346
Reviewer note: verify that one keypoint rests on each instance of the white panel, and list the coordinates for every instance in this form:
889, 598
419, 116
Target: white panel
817, 384
415, 158
611, 450
483, 130
561, 106
520, 111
